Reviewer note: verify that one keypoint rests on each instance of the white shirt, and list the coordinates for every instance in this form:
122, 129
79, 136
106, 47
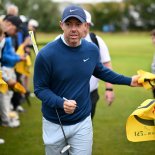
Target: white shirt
104, 57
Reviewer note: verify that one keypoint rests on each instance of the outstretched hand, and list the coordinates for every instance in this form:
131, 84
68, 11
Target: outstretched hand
134, 82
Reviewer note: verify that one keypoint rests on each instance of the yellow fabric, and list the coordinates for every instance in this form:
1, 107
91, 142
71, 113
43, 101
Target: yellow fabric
140, 124
23, 67
146, 79
3, 84
19, 88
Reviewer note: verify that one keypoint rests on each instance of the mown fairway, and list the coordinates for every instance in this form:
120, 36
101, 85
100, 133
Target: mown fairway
129, 52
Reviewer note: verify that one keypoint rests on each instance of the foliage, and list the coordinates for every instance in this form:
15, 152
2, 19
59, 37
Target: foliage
44, 11
129, 14
145, 11
106, 13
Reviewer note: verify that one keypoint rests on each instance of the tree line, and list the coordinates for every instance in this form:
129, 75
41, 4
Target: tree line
124, 16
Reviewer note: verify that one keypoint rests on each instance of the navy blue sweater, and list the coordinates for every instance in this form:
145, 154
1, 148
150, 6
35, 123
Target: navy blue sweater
63, 71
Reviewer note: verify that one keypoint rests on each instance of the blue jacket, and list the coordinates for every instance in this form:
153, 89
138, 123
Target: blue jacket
63, 71
9, 57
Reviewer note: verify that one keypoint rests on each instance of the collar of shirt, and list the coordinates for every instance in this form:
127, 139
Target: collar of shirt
63, 39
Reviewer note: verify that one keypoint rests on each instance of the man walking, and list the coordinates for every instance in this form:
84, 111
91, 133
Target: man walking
61, 81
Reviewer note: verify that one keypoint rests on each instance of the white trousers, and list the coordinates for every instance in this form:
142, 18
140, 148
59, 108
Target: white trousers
5, 99
5, 102
79, 137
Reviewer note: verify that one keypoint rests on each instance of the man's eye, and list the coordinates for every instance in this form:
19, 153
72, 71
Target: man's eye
67, 24
78, 24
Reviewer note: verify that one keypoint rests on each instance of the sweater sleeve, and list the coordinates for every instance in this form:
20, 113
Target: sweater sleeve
110, 76
42, 74
9, 55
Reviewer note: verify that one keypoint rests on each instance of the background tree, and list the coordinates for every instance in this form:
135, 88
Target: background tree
44, 11
141, 14
106, 14
129, 14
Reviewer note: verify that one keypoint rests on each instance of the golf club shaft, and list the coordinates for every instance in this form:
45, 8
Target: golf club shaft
61, 126
67, 145
33, 42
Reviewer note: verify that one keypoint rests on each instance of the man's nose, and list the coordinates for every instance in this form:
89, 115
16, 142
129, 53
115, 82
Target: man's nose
74, 28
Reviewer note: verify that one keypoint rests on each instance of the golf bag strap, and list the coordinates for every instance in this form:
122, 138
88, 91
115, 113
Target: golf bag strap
94, 39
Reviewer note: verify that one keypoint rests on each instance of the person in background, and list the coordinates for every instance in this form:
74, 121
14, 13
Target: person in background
62, 72
105, 60
18, 33
8, 59
33, 25
19, 37
3, 84
12, 10
153, 62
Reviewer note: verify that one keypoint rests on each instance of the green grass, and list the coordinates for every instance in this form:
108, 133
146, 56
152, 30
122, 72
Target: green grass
129, 52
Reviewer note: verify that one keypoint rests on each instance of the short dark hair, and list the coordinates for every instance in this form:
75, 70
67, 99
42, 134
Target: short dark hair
15, 20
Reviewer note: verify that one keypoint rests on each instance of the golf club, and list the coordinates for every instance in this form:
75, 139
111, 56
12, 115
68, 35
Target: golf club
65, 148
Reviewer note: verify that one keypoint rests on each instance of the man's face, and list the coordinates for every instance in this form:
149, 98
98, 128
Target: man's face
73, 31
9, 28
